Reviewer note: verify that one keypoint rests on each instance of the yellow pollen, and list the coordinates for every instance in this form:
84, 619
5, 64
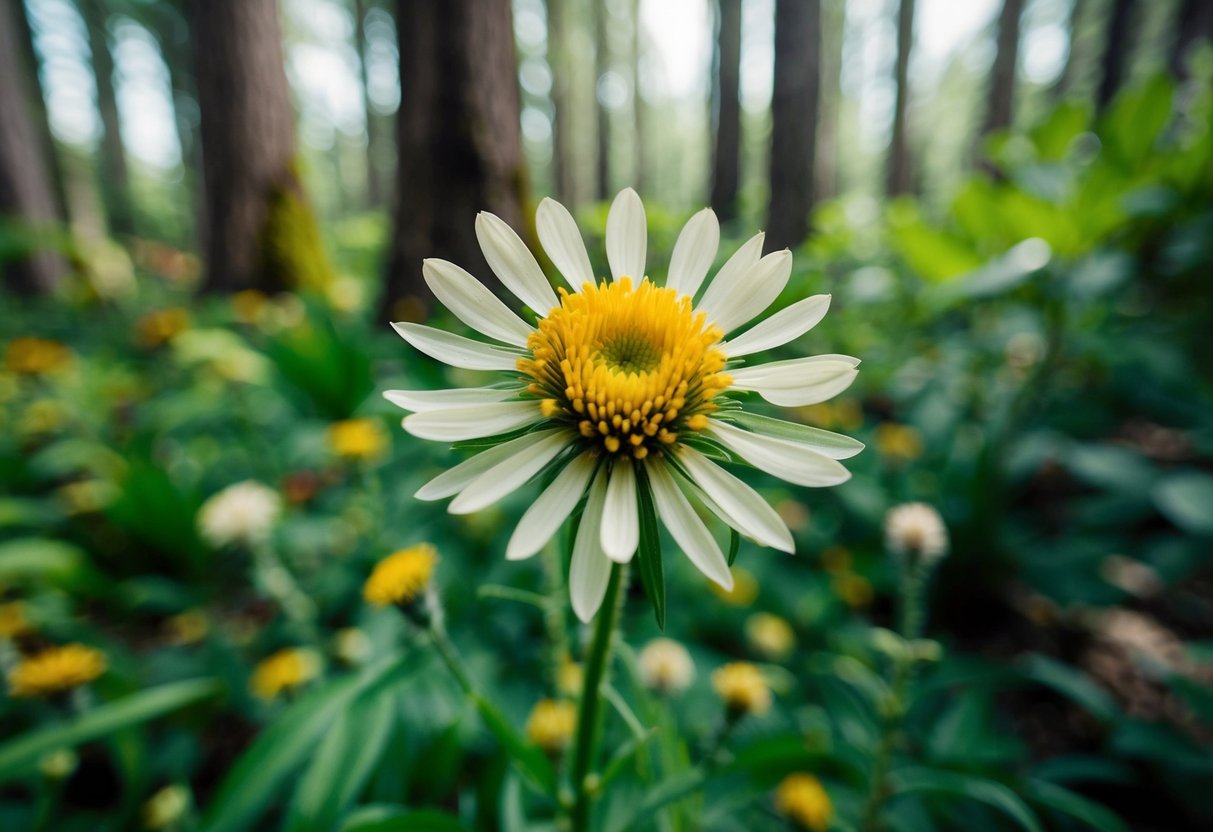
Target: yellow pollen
628, 365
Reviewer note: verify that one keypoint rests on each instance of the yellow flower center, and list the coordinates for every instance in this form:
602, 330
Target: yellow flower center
629, 367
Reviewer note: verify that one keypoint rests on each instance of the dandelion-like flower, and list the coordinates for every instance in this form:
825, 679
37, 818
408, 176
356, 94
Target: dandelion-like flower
916, 530
771, 637
13, 621
56, 670
358, 439
623, 392
551, 723
284, 671
803, 800
666, 666
401, 577
743, 688
243, 513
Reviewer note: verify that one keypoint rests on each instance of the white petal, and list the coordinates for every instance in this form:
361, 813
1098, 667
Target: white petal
455, 424
798, 382
780, 458
454, 480
621, 514
590, 570
513, 263
473, 303
562, 241
733, 270
782, 327
456, 350
422, 400
627, 238
740, 300
684, 525
551, 509
511, 473
694, 252
824, 442
741, 503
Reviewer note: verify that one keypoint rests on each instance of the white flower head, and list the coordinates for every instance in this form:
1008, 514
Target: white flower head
243, 513
916, 530
622, 392
666, 666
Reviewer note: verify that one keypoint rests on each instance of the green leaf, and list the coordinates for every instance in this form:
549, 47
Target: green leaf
1185, 498
396, 819
652, 571
1076, 806
19, 755
989, 792
1073, 684
38, 558
531, 760
793, 432
255, 779
734, 545
343, 762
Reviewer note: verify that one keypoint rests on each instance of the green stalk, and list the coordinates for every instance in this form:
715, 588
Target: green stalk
589, 711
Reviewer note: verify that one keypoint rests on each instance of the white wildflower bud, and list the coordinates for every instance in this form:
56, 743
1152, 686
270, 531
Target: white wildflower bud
916, 531
244, 513
666, 666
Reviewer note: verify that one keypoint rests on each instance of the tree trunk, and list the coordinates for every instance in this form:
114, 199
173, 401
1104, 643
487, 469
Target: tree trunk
639, 116
726, 160
27, 189
1118, 42
260, 231
460, 142
375, 177
900, 177
602, 65
168, 23
115, 183
1193, 22
1065, 79
833, 32
793, 120
558, 59
1006, 60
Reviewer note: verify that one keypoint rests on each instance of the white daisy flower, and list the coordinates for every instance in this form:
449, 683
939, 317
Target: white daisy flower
623, 393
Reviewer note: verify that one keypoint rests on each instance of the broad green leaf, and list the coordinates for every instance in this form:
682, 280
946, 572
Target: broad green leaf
19, 755
1071, 683
1186, 499
345, 759
1076, 806
38, 558
990, 792
652, 571
398, 819
734, 545
254, 781
530, 758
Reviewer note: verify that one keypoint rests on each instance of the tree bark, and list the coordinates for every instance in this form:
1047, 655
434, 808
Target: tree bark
1118, 42
248, 146
900, 176
793, 120
1193, 22
459, 140
726, 159
1001, 104
27, 189
115, 182
602, 65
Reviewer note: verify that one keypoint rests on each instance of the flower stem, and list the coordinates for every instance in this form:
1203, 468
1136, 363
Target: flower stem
590, 707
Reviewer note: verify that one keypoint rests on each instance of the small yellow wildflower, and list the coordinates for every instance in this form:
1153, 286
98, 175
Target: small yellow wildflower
55, 670
742, 687
569, 678
770, 636
35, 356
401, 577
248, 305
42, 417
744, 591
166, 807
854, 590
58, 764
802, 799
189, 627
352, 646
551, 723
12, 620
899, 443
160, 326
363, 439
284, 671
666, 666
